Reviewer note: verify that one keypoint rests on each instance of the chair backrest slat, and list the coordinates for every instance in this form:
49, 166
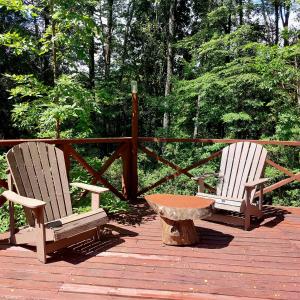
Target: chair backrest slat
38, 170
20, 182
222, 170
227, 173
240, 163
64, 179
242, 167
37, 165
42, 149
234, 171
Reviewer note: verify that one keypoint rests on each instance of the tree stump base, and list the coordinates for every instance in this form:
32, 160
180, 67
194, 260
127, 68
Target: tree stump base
179, 233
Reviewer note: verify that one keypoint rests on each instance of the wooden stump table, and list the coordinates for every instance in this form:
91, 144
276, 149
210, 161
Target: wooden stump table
177, 213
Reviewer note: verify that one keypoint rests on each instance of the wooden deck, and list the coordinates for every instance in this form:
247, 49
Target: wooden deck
229, 263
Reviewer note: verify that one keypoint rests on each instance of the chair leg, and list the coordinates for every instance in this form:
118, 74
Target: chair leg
40, 234
247, 221
12, 239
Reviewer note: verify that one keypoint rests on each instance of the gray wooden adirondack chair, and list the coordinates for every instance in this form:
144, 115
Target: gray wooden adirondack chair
242, 165
37, 172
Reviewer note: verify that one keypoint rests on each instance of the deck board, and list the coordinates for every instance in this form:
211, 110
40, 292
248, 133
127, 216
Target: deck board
228, 263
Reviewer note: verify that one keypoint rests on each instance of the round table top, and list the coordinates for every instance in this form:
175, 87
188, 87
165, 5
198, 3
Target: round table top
180, 207
179, 201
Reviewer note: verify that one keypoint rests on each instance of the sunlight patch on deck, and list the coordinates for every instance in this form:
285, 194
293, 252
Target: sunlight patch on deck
143, 293
140, 256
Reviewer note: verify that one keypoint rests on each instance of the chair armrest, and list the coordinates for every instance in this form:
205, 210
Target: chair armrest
206, 175
91, 188
253, 184
25, 201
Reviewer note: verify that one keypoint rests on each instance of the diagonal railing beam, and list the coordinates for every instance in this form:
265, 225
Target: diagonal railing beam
164, 161
93, 172
107, 164
176, 174
170, 164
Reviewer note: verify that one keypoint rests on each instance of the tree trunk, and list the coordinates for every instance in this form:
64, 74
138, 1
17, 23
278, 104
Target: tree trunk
276, 11
107, 46
241, 12
92, 55
129, 14
297, 83
53, 37
47, 74
196, 124
285, 15
169, 74
267, 22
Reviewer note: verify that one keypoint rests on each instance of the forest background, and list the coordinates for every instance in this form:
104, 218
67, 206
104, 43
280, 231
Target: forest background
205, 69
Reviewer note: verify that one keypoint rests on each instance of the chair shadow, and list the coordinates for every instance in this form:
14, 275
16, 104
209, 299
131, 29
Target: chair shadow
82, 251
140, 212
277, 215
212, 239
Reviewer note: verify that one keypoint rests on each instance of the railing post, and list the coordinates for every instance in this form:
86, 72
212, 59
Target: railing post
134, 142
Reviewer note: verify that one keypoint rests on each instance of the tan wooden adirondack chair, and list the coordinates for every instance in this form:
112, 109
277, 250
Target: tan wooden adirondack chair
37, 171
242, 165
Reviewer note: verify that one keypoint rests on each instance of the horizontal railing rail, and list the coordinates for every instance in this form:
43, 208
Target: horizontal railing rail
127, 152
122, 151
291, 177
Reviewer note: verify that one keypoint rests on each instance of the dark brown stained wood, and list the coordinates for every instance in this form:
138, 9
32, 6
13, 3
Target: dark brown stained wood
94, 173
10, 143
56, 180
118, 152
176, 174
41, 180
278, 167
227, 263
43, 153
222, 141
281, 183
164, 161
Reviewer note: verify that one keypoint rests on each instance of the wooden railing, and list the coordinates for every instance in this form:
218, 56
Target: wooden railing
127, 150
123, 151
291, 177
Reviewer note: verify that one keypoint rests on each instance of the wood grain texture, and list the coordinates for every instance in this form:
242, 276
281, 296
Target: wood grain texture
180, 207
227, 263
39, 173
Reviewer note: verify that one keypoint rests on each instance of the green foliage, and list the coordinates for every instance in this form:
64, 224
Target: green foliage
67, 104
233, 77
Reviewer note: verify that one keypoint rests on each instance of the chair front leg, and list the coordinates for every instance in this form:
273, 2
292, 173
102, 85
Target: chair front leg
201, 185
95, 201
40, 234
247, 210
12, 228
261, 196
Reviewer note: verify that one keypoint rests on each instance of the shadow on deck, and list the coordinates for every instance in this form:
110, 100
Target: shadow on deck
228, 263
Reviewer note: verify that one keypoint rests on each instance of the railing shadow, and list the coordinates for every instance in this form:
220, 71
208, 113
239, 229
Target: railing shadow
139, 213
275, 214
212, 239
